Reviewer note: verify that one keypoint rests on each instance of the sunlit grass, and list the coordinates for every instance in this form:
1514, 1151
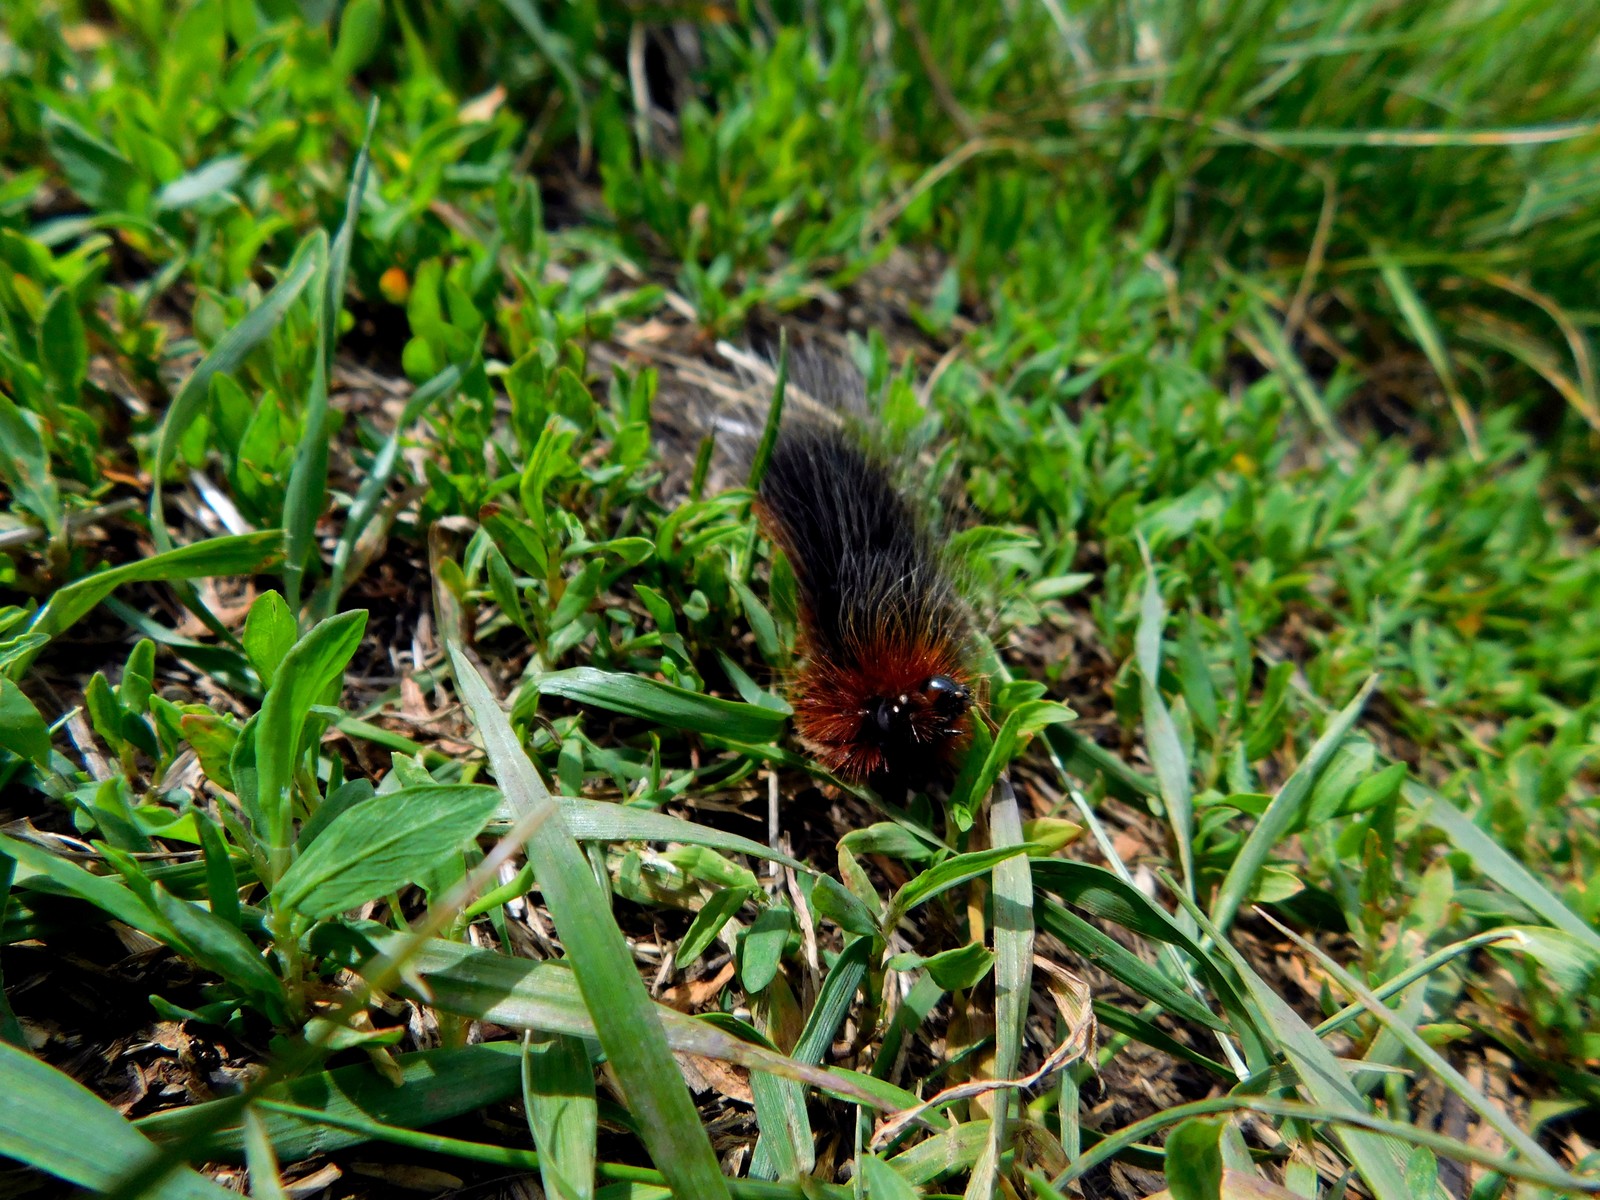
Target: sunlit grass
354, 375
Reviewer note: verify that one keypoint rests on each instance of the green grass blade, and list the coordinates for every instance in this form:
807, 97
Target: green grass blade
952, 872
1161, 735
313, 668
785, 1097
883, 1181
308, 478
241, 554
944, 1154
713, 916
558, 1096
266, 1183
625, 1020
784, 1148
226, 357
50, 1121
1141, 1030
435, 1085
1121, 963
1294, 373
545, 998
664, 704
1013, 975
527, 15
603, 821
1282, 812
1495, 863
332, 298
46, 872
769, 431
22, 730
1105, 895
1426, 331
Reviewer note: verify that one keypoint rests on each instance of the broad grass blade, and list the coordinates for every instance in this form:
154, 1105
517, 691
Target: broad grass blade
1013, 974
558, 1095
624, 1018
1161, 734
785, 1097
52, 1122
383, 843
313, 667
435, 1085
675, 707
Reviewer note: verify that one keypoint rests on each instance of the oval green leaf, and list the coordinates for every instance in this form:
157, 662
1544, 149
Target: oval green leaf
383, 843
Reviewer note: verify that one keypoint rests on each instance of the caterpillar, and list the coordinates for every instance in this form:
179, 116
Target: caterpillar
884, 693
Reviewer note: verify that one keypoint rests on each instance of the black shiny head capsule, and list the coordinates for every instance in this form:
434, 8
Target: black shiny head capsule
915, 721
950, 699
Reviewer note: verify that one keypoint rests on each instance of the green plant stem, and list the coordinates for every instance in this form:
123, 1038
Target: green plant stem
508, 1156
1290, 1109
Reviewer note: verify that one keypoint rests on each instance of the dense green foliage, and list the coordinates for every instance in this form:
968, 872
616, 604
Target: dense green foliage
1257, 338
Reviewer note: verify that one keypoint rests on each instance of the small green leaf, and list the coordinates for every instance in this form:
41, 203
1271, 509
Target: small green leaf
831, 899
25, 465
313, 667
1194, 1160
207, 181
952, 872
1375, 790
222, 885
519, 541
887, 837
883, 1181
1351, 764
63, 349
269, 634
138, 678
953, 970
708, 922
222, 947
360, 32
22, 729
214, 738
761, 947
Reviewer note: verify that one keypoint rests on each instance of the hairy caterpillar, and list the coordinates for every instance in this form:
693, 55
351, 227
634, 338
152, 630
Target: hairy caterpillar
884, 694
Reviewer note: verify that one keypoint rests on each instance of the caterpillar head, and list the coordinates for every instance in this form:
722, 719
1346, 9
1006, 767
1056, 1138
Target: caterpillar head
927, 715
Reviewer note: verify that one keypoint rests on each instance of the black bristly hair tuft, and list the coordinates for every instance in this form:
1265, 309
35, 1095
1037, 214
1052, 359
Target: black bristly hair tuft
864, 561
